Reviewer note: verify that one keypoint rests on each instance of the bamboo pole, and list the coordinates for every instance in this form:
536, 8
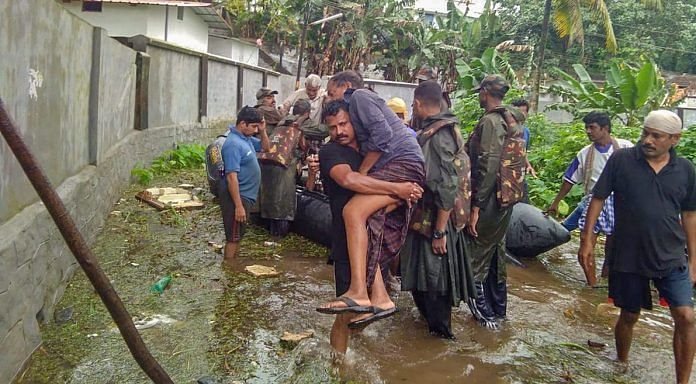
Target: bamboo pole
81, 250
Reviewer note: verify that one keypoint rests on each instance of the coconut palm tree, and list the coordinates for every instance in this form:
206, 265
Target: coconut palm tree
568, 22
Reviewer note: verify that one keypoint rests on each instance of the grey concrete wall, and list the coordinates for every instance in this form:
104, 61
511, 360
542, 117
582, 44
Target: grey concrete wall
174, 79
222, 90
253, 80
48, 102
116, 89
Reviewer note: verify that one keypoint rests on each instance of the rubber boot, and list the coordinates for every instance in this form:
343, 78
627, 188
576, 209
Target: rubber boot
480, 307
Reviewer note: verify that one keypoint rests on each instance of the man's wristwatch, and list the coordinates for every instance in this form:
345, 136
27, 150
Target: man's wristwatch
437, 235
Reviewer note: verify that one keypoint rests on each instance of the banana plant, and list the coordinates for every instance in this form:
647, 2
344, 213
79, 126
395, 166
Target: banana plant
491, 62
629, 92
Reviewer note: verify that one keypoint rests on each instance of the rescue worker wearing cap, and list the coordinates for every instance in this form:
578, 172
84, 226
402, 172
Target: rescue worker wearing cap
266, 104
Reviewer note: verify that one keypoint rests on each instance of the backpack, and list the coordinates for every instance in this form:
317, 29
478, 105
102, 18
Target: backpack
423, 218
510, 185
214, 165
283, 142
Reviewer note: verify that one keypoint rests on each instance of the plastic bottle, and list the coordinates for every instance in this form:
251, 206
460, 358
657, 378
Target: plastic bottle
161, 284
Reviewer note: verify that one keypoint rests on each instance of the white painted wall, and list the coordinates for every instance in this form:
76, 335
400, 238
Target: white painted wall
234, 49
192, 32
149, 20
440, 6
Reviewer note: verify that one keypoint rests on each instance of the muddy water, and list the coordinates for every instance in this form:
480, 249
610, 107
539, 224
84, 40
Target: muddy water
225, 325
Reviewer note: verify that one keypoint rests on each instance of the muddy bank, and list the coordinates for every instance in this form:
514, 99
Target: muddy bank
224, 326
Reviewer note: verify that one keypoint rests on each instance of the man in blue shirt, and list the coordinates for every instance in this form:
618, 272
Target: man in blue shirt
240, 186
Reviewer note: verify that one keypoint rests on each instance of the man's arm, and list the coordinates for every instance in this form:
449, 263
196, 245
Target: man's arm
289, 102
344, 176
565, 188
440, 245
233, 189
689, 225
265, 142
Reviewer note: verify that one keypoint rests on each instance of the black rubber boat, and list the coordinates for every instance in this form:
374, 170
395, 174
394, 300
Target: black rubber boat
313, 216
530, 232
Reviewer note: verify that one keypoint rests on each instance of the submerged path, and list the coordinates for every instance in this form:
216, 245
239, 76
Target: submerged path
223, 325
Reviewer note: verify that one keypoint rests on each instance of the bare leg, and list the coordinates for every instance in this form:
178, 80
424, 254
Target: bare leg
355, 214
590, 273
684, 341
231, 251
623, 333
379, 296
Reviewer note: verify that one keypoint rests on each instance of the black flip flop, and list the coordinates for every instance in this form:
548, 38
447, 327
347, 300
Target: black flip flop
378, 314
351, 307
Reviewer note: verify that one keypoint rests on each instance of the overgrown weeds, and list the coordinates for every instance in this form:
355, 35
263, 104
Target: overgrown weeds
185, 156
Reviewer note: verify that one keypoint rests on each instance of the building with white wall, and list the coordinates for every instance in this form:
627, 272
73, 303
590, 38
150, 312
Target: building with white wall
235, 49
183, 23
431, 8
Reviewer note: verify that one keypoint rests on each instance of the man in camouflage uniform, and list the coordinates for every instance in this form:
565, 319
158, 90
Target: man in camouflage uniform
277, 201
489, 221
266, 104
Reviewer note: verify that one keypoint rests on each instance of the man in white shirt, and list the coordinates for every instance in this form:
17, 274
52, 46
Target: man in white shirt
313, 93
585, 169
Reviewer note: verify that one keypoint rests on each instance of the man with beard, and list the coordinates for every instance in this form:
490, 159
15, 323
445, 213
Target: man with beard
266, 104
655, 195
489, 221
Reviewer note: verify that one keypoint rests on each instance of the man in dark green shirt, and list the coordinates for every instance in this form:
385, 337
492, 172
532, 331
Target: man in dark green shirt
489, 221
434, 266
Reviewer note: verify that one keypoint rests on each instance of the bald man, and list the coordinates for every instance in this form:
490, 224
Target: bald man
655, 207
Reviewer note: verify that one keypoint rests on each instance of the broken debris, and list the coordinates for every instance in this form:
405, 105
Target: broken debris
261, 270
290, 340
163, 198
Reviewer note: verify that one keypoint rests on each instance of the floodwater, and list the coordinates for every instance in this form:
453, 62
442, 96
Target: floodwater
221, 325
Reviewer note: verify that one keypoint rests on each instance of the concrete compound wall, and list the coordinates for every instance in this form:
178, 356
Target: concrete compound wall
222, 89
116, 90
173, 76
90, 109
49, 103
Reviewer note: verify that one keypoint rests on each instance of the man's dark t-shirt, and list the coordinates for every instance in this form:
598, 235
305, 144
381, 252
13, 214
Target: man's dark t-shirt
331, 155
648, 237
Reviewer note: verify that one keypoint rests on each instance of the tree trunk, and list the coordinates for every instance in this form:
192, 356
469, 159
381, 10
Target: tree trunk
542, 47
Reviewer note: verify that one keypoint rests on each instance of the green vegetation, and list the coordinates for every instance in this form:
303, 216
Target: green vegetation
629, 94
185, 156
